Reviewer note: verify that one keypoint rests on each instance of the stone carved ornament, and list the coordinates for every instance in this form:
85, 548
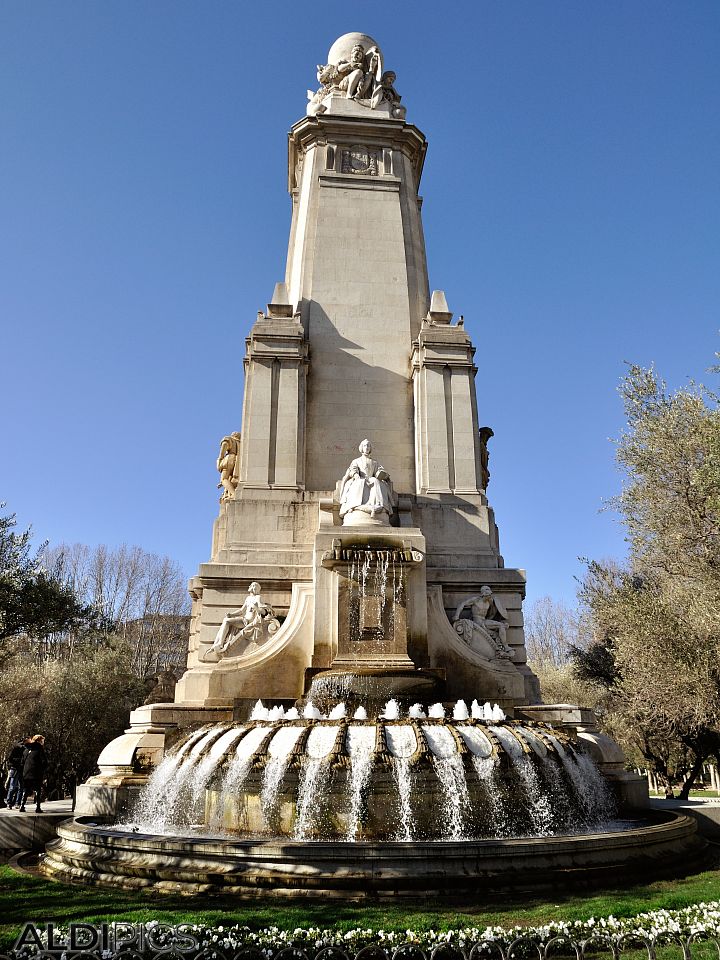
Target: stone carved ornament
254, 623
358, 159
485, 434
359, 77
366, 494
228, 464
489, 623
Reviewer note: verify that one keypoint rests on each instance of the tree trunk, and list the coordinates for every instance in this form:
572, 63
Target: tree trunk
692, 777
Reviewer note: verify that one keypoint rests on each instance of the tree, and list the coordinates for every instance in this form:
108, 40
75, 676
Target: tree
552, 632
80, 630
34, 601
80, 705
657, 619
139, 598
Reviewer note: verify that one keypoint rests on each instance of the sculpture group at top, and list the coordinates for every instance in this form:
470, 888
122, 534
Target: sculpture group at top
358, 76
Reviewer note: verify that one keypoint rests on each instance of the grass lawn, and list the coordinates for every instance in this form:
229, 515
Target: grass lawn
707, 794
26, 898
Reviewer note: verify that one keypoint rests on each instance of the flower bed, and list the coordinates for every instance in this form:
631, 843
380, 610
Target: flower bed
686, 929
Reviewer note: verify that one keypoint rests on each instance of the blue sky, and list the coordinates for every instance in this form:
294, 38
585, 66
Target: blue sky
571, 210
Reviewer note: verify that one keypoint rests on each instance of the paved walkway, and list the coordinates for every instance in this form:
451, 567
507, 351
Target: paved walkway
30, 830
48, 806
706, 810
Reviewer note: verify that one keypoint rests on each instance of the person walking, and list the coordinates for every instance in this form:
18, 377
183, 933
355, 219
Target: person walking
13, 785
33, 770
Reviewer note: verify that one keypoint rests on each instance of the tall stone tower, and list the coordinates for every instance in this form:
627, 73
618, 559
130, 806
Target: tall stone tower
353, 346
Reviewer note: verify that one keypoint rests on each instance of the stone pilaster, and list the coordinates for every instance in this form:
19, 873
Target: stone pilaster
447, 449
273, 434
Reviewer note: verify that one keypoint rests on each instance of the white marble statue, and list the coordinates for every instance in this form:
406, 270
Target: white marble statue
360, 73
489, 623
359, 76
228, 463
254, 622
366, 494
385, 90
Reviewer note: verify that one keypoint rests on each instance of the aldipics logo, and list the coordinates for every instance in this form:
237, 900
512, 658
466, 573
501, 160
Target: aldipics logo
104, 939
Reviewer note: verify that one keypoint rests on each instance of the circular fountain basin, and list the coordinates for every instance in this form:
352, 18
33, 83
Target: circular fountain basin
85, 851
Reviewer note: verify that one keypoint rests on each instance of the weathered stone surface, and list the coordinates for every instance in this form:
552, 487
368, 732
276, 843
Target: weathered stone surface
481, 869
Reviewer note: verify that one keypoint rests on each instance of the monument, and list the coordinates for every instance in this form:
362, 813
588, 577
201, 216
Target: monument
355, 579
353, 354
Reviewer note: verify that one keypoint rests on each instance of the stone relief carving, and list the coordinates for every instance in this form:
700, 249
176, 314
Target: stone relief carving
250, 626
366, 493
358, 159
358, 77
489, 622
485, 434
228, 463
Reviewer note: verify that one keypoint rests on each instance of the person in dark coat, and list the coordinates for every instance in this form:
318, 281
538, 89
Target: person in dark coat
34, 767
14, 763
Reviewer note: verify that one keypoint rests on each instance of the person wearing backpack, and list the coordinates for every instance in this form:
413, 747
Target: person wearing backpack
13, 785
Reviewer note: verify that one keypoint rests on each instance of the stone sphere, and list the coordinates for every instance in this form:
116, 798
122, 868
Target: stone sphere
340, 50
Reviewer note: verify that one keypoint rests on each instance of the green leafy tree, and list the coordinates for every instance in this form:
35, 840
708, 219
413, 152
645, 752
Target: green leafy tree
34, 601
656, 621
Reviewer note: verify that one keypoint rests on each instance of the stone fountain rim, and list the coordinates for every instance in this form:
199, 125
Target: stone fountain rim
406, 721
660, 822
86, 852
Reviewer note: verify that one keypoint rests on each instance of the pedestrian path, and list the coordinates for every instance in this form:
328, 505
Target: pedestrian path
705, 810
30, 830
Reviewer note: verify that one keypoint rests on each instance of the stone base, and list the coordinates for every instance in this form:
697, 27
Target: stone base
108, 797
127, 761
365, 687
358, 518
665, 844
631, 790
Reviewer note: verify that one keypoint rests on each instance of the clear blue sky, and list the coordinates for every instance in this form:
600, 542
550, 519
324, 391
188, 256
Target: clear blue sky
572, 213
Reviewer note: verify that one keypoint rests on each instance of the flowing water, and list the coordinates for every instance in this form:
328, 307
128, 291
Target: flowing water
452, 780
361, 748
450, 772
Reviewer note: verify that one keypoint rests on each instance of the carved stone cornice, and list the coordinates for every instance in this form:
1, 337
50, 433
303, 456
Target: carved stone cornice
276, 338
373, 131
442, 346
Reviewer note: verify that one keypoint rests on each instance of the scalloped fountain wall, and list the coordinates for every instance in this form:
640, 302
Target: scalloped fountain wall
405, 779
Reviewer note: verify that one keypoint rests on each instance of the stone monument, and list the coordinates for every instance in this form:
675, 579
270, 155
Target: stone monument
327, 567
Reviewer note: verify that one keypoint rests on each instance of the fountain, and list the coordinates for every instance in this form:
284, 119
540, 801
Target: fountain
395, 777
357, 715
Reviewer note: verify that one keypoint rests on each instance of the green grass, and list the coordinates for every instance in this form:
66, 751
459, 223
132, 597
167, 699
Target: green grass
693, 793
26, 898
